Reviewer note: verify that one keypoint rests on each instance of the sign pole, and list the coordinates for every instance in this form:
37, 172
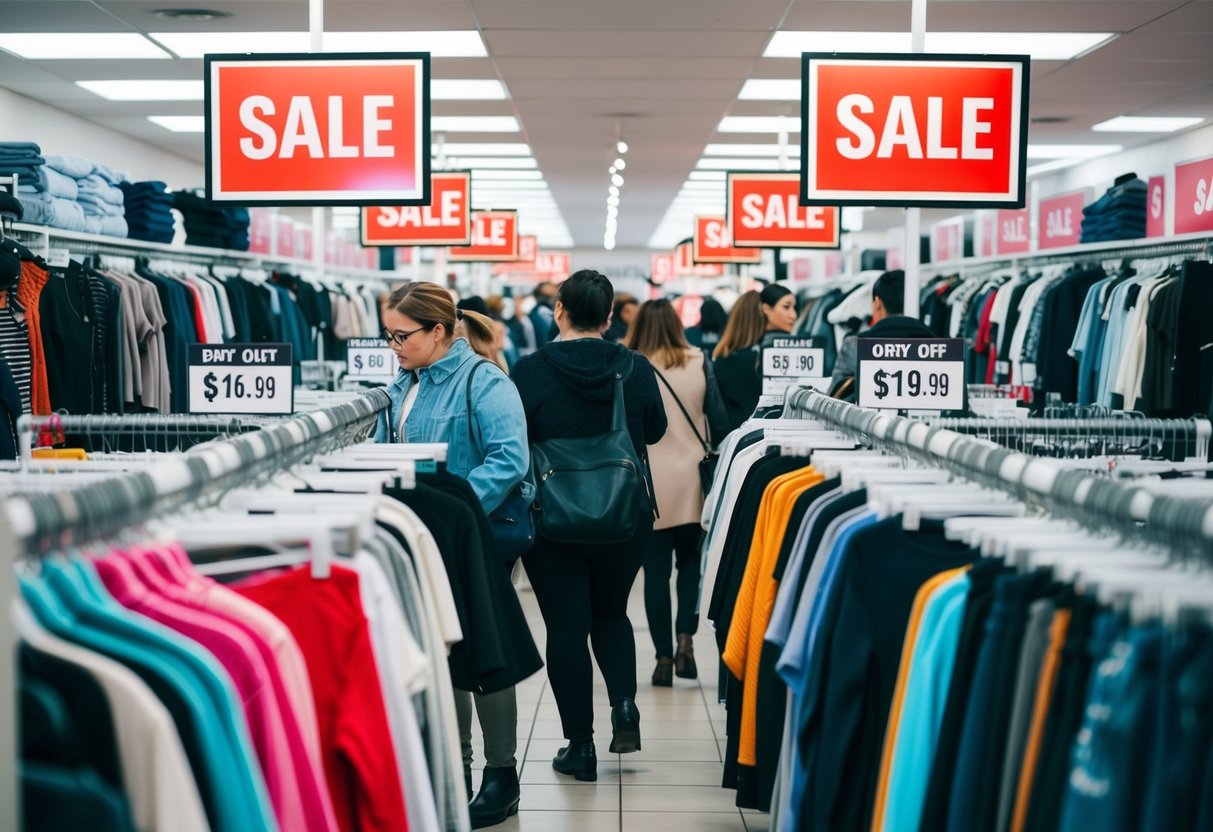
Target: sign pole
918, 37
315, 21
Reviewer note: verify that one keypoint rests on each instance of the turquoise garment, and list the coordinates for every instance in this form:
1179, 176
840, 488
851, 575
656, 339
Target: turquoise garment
923, 703
80, 610
498, 458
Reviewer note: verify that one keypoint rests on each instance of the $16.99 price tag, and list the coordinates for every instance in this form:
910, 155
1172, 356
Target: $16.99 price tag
911, 373
371, 359
241, 378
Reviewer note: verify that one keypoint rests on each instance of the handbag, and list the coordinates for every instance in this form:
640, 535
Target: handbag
592, 490
713, 406
707, 465
511, 523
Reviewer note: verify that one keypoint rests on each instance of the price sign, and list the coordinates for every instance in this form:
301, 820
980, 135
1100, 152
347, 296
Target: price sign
911, 373
241, 378
1013, 231
792, 362
370, 359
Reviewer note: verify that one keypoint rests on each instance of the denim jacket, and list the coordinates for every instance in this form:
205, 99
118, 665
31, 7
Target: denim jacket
497, 457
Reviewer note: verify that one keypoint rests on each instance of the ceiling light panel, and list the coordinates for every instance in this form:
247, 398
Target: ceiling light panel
456, 44
724, 149
1070, 151
706, 176
770, 89
475, 124
1145, 124
485, 148
758, 124
525, 178
445, 89
494, 162
145, 90
724, 163
180, 124
1042, 46
46, 46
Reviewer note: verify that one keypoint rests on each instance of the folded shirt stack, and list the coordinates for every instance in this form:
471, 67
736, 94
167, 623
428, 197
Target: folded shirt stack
149, 211
208, 224
47, 196
1120, 214
100, 200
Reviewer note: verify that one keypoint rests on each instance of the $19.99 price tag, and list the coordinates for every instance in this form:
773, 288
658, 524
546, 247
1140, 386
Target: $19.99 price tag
911, 373
371, 359
241, 378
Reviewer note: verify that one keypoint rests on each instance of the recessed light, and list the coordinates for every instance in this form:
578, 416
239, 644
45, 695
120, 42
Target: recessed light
770, 89
145, 90
1145, 124
452, 44
49, 46
485, 149
510, 176
719, 163
180, 124
725, 149
493, 162
475, 124
193, 15
1042, 46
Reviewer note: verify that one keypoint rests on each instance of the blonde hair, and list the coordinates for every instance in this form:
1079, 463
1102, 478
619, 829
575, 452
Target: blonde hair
745, 327
480, 333
658, 334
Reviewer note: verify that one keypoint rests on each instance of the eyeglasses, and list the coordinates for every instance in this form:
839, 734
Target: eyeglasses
398, 338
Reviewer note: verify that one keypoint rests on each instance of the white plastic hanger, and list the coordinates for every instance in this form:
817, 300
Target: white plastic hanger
207, 532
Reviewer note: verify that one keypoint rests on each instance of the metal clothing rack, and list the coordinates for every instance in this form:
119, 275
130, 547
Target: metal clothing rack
1199, 244
102, 432
1191, 436
1182, 526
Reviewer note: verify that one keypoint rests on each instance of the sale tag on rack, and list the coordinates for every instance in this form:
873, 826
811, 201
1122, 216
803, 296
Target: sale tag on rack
1060, 220
1156, 207
905, 130
1194, 196
791, 362
764, 211
241, 378
1013, 236
370, 359
911, 373
494, 239
446, 221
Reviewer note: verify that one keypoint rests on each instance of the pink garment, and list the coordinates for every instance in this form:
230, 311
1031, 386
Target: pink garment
169, 571
238, 655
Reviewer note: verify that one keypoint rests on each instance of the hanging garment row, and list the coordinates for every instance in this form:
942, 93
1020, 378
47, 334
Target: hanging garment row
904, 651
293, 672
1118, 335
110, 334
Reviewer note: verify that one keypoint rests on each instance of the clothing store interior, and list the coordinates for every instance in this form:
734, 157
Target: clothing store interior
612, 416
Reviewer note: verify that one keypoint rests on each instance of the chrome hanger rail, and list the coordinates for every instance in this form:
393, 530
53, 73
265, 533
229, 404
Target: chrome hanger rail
47, 522
151, 427
1184, 527
1094, 433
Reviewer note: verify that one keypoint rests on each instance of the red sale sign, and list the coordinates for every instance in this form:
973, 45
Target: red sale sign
1013, 236
764, 210
261, 230
1060, 220
494, 238
685, 265
528, 248
554, 265
1156, 207
324, 129
661, 268
1194, 196
714, 244
446, 221
905, 130
948, 240
801, 270
284, 237
985, 234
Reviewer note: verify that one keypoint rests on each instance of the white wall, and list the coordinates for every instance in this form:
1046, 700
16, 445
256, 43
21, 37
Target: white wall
58, 132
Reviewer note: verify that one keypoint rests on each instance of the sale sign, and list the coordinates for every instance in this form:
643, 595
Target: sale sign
554, 265
1194, 196
906, 130
948, 240
661, 268
713, 243
985, 234
801, 270
284, 237
494, 238
261, 230
324, 129
446, 221
528, 250
685, 265
1013, 236
1156, 207
764, 210
1061, 220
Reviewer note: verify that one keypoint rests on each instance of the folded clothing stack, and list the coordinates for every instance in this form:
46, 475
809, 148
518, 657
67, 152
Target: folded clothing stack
1120, 214
97, 193
208, 224
149, 211
47, 196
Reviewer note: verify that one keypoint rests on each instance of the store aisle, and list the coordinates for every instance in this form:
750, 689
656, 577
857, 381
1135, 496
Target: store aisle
672, 784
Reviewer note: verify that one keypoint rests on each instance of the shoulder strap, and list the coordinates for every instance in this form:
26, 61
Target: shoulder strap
471, 375
681, 407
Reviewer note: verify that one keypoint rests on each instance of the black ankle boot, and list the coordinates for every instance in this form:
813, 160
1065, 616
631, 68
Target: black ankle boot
663, 674
467, 780
625, 722
578, 759
498, 797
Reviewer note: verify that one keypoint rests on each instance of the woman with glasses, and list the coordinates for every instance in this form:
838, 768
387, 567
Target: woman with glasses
430, 403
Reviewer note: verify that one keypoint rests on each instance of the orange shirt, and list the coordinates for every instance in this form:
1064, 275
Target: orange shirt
29, 292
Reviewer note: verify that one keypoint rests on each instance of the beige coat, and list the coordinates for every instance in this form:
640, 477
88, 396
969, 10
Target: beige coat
675, 459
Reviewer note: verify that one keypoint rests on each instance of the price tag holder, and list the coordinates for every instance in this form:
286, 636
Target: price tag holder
370, 359
911, 373
241, 379
792, 362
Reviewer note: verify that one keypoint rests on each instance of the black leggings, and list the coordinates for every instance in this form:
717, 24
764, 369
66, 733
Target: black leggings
583, 596
684, 542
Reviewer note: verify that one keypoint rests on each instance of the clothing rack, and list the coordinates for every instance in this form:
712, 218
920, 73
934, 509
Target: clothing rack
1199, 244
1183, 527
149, 426
1191, 435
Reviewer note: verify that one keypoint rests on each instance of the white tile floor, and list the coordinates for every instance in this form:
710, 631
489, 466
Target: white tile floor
672, 784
